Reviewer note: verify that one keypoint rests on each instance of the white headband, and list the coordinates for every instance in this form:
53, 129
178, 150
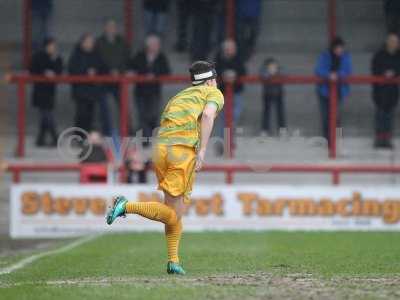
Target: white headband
203, 76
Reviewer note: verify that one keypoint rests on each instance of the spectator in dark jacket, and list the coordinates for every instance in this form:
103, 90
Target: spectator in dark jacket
46, 62
386, 62
150, 62
248, 14
333, 64
229, 67
114, 52
392, 12
85, 61
273, 96
155, 16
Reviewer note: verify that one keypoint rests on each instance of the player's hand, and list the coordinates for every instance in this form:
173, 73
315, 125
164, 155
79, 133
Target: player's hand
200, 160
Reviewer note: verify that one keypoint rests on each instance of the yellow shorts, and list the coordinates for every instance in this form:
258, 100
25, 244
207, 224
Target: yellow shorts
174, 166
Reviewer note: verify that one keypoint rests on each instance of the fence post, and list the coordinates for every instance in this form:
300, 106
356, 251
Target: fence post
332, 19
230, 19
229, 122
128, 24
26, 32
335, 177
124, 107
21, 118
333, 100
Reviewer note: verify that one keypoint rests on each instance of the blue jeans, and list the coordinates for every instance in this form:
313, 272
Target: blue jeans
237, 110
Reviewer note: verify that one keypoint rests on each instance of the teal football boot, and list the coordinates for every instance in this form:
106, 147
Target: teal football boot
175, 268
118, 209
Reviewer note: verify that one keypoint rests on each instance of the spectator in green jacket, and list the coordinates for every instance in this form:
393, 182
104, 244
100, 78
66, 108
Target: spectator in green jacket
114, 52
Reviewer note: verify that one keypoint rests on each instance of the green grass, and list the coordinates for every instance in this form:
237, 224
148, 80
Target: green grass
220, 265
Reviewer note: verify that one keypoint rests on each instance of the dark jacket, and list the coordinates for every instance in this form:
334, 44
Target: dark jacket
141, 66
156, 5
271, 91
235, 63
79, 64
323, 69
115, 55
385, 96
43, 94
248, 8
392, 6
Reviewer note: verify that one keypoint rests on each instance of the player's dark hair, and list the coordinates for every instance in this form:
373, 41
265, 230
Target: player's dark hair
201, 67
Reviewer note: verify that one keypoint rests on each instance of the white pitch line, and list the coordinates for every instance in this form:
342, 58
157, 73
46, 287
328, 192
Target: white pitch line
28, 260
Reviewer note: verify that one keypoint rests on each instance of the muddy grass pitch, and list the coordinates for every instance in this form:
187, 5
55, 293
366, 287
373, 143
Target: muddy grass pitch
225, 265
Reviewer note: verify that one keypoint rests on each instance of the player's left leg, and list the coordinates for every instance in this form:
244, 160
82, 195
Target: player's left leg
173, 233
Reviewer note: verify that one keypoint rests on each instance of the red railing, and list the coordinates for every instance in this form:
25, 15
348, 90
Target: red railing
124, 81
334, 170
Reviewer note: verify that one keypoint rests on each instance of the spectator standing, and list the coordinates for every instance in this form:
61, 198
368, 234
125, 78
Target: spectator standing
332, 64
46, 62
386, 62
392, 12
155, 16
229, 66
150, 62
42, 11
86, 61
248, 15
114, 52
203, 25
273, 96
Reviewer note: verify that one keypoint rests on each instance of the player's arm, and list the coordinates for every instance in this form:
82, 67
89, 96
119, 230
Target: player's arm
207, 123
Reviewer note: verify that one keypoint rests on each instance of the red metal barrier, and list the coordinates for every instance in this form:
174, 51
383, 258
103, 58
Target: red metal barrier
128, 21
332, 19
230, 19
26, 32
229, 170
125, 81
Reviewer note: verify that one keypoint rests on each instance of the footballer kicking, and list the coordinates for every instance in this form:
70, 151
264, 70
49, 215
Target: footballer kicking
185, 129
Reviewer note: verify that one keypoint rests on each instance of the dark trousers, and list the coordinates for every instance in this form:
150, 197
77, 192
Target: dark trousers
393, 22
384, 120
183, 19
104, 106
85, 109
47, 125
325, 112
280, 113
148, 113
247, 33
201, 37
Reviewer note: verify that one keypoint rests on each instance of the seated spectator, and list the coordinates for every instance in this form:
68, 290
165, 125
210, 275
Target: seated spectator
332, 64
150, 62
94, 156
248, 14
114, 53
85, 61
273, 96
386, 62
155, 16
229, 67
392, 12
136, 167
46, 62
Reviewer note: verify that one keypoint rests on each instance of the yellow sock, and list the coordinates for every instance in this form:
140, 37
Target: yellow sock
152, 210
173, 235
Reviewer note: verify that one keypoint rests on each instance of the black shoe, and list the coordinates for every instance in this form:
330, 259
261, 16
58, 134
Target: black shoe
40, 142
